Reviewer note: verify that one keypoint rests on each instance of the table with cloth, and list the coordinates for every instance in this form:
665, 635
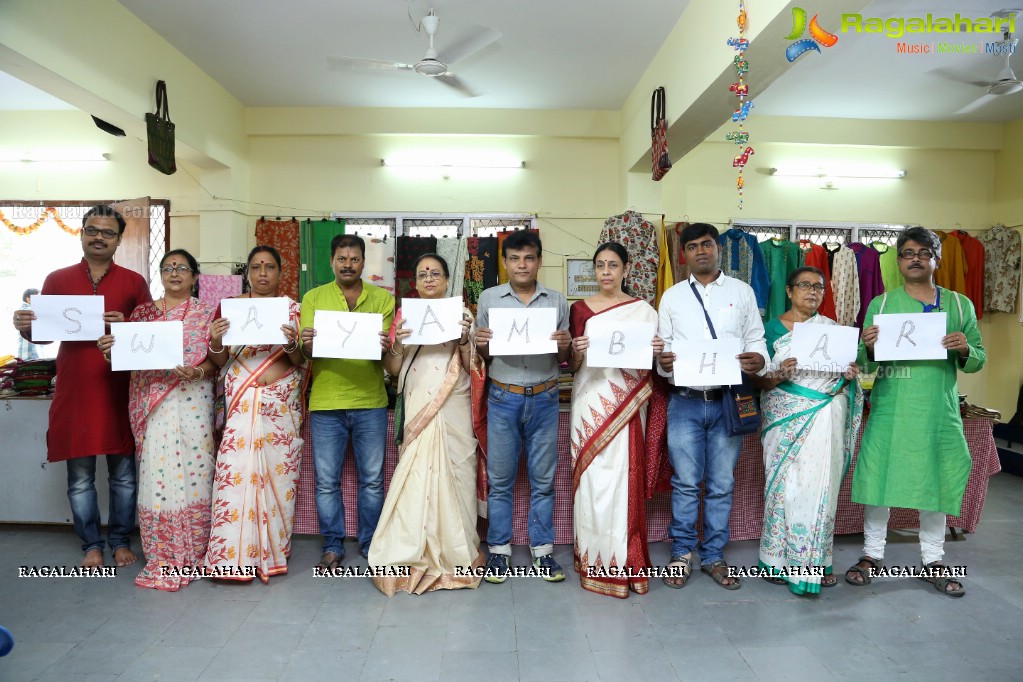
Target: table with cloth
747, 510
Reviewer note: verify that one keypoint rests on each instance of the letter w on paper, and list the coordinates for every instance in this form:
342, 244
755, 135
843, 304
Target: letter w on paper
147, 345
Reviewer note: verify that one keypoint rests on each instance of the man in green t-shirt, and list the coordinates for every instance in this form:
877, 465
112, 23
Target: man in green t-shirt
348, 400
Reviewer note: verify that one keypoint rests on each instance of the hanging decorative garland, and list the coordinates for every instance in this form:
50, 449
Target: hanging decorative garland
47, 213
741, 90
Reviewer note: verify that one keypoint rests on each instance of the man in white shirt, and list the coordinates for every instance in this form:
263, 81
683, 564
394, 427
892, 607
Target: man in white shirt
698, 442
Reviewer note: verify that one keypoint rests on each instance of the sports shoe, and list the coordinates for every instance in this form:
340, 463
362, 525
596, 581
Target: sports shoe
552, 571
497, 569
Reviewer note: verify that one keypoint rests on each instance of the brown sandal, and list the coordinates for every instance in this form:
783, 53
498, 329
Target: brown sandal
686, 564
719, 572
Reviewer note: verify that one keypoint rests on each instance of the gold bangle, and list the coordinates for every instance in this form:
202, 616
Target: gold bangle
394, 352
209, 346
202, 374
293, 348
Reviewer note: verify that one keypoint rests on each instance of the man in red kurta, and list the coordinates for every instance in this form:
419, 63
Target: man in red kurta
89, 412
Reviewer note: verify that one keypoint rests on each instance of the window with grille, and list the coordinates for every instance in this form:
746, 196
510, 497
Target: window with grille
821, 232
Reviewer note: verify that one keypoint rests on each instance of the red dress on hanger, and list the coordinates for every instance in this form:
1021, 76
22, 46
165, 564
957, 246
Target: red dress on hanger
817, 256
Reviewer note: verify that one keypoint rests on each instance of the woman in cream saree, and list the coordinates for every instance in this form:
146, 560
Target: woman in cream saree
428, 522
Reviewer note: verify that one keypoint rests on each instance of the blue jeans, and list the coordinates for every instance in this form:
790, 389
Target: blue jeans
330, 430
81, 493
511, 420
700, 449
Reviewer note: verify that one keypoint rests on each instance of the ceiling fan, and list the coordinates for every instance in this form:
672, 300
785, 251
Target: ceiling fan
1004, 83
432, 65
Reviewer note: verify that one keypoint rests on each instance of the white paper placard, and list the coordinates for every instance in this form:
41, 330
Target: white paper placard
708, 363
910, 336
824, 347
433, 320
351, 336
620, 343
523, 331
255, 321
67, 318
147, 345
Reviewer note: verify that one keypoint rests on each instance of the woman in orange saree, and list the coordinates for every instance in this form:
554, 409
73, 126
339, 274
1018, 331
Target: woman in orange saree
260, 454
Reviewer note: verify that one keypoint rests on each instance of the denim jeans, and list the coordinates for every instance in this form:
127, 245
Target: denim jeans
511, 420
330, 430
700, 449
81, 493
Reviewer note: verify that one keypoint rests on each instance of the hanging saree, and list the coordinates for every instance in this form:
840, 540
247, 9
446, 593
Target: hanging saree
173, 425
258, 464
810, 425
609, 460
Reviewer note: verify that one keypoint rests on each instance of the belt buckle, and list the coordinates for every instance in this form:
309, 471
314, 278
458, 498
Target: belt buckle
527, 390
706, 396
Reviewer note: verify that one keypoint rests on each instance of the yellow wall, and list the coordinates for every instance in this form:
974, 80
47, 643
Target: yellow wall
572, 183
942, 188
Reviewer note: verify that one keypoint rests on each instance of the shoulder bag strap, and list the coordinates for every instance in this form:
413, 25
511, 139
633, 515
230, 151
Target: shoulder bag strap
700, 299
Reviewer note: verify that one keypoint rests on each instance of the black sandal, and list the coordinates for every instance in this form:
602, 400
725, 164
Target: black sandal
941, 582
329, 561
864, 572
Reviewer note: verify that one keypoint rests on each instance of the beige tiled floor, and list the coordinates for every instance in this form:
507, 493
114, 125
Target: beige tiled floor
302, 628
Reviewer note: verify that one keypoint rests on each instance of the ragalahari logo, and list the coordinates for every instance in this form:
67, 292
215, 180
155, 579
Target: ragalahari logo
817, 35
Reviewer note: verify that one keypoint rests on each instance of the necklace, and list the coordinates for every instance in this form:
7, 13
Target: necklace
163, 304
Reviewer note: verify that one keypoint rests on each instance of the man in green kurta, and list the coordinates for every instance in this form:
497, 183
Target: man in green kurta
914, 453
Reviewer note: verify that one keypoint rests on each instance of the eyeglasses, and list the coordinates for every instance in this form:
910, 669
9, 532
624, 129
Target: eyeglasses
806, 286
171, 269
95, 231
433, 274
910, 254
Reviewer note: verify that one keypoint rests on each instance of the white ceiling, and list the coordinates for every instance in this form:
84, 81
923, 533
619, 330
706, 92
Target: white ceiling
16, 95
552, 54
863, 76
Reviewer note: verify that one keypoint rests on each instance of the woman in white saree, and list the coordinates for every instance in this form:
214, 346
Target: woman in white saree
810, 419
609, 407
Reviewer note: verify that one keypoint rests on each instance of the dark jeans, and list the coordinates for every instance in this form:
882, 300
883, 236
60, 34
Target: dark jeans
81, 493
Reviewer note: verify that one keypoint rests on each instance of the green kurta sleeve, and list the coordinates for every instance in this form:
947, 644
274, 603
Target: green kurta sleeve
977, 357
